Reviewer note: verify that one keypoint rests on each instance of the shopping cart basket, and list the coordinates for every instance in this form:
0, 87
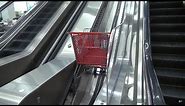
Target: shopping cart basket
91, 48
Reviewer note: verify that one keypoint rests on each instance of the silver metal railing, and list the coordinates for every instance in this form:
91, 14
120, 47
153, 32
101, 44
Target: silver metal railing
153, 91
130, 77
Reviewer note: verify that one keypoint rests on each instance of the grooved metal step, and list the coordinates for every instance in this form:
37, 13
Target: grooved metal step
171, 76
167, 11
173, 94
168, 60
166, 4
168, 36
167, 27
167, 19
168, 47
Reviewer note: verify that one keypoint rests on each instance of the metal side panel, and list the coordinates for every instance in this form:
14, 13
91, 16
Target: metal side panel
85, 20
54, 90
40, 86
108, 18
118, 85
14, 65
11, 68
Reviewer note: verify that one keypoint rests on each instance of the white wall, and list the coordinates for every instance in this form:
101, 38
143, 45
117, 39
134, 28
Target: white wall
2, 2
19, 6
8, 14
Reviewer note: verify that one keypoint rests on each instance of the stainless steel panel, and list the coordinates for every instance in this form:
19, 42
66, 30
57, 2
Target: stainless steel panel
111, 16
85, 20
122, 84
16, 91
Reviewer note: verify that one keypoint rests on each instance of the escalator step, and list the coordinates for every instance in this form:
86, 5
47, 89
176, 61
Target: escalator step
167, 27
12, 50
168, 60
40, 21
9, 51
168, 47
48, 12
166, 4
26, 35
167, 19
21, 40
54, 3
33, 28
19, 44
171, 76
168, 37
45, 15
49, 9
167, 11
156, 1
173, 94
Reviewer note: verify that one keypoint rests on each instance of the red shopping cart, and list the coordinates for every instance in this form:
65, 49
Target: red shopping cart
91, 48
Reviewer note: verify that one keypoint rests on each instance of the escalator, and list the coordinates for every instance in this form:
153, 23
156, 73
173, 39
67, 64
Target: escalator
26, 35
31, 43
54, 82
167, 30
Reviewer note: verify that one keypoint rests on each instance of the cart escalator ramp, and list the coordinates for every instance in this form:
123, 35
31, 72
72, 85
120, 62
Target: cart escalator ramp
167, 26
25, 36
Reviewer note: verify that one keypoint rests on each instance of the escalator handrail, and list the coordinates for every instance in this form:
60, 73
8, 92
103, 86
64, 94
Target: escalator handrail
4, 6
21, 22
154, 87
